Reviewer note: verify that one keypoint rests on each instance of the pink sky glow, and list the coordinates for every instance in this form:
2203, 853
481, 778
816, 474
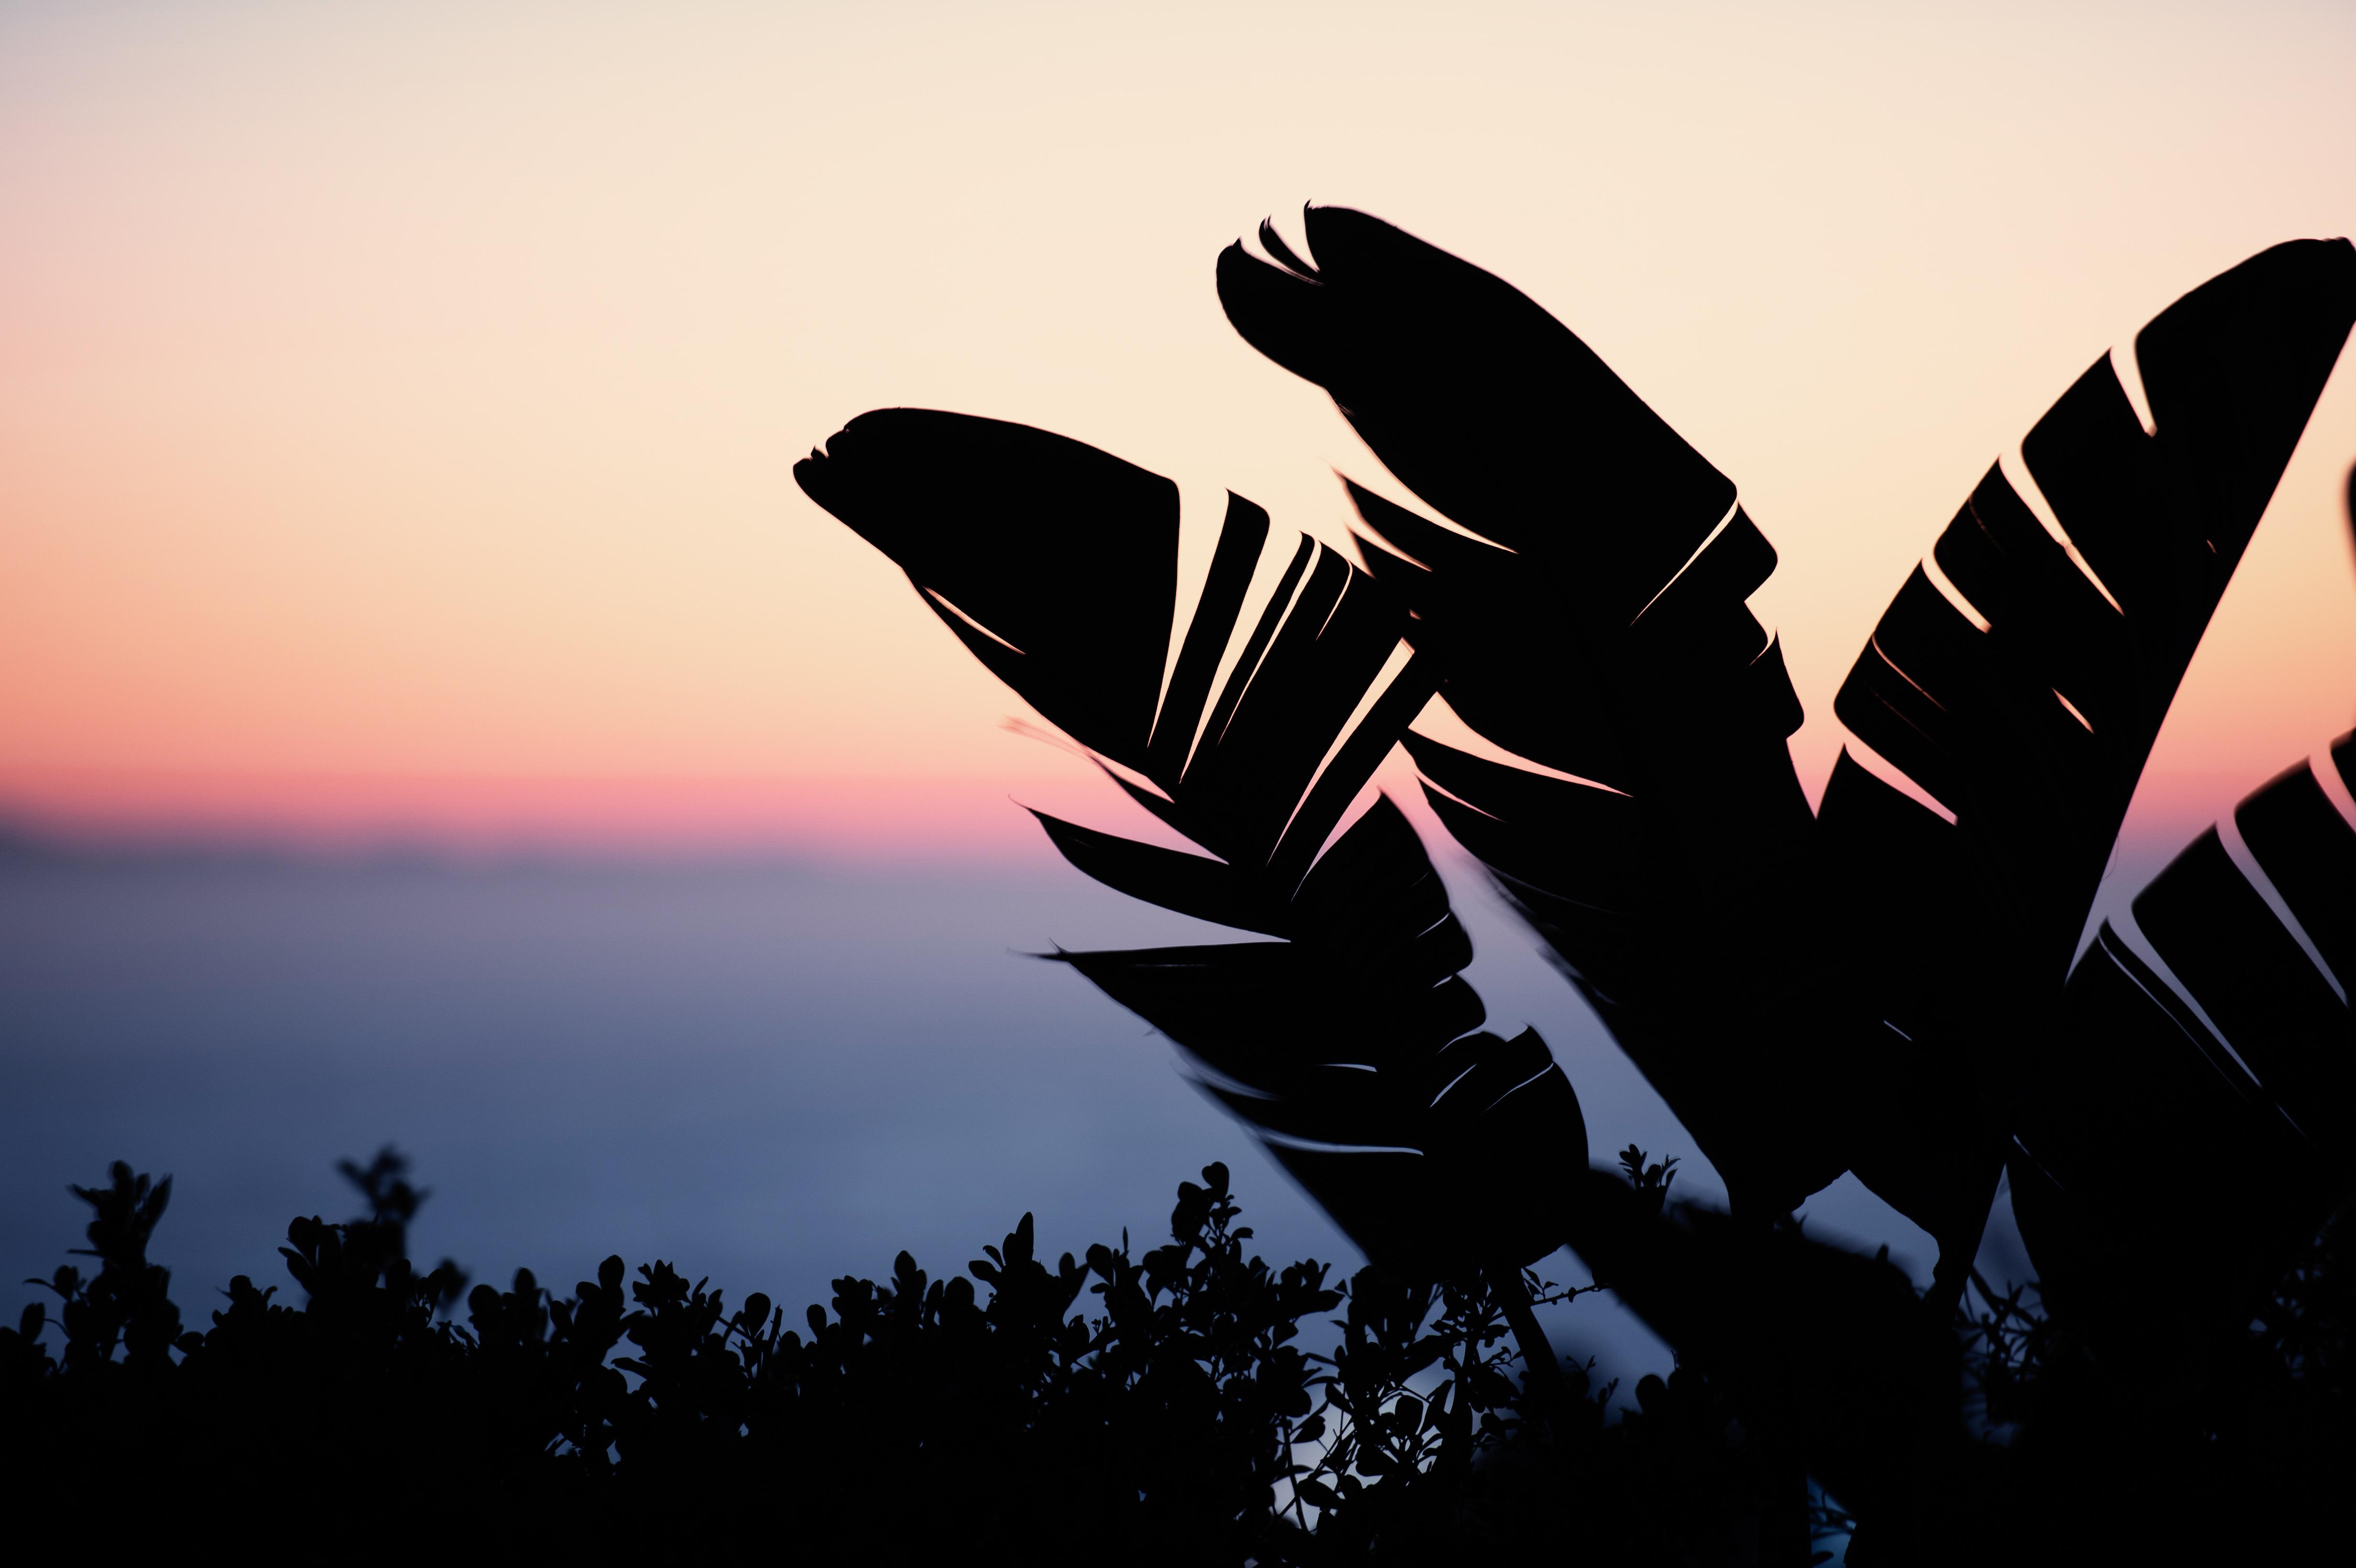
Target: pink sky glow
400, 401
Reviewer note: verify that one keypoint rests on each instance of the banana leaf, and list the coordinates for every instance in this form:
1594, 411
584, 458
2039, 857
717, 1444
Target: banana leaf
2208, 1113
2030, 719
1588, 609
1351, 1044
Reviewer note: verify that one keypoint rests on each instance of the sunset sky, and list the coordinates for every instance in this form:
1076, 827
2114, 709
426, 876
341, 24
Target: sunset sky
397, 402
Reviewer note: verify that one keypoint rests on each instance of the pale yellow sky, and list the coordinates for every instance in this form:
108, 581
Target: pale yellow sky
408, 391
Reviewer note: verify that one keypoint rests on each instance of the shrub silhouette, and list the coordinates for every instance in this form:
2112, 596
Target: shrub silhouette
1167, 1406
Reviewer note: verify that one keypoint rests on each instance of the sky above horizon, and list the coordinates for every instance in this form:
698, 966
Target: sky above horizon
400, 401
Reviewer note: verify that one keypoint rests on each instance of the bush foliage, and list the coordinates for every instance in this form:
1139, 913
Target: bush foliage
1187, 1404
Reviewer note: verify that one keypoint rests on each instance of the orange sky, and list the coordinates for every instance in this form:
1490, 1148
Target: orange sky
399, 401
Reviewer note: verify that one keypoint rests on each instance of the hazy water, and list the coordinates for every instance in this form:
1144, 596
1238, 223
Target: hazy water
773, 1075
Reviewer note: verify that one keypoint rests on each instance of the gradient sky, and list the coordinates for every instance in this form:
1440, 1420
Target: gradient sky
399, 401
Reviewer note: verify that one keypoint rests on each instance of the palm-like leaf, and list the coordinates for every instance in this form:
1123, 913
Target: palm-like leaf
1352, 1044
2148, 1133
1596, 628
2033, 729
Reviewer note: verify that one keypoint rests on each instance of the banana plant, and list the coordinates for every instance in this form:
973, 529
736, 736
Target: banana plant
1876, 984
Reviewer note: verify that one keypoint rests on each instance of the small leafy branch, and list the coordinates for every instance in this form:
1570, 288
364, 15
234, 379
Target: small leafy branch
1651, 1183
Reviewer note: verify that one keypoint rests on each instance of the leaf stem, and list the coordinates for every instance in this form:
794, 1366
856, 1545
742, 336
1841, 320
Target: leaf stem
1537, 1352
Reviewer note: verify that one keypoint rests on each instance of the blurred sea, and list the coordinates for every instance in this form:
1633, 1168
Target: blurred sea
771, 1074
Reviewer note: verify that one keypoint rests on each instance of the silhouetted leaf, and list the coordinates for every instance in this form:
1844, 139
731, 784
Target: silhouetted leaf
2147, 1131
1351, 1045
1595, 627
2033, 732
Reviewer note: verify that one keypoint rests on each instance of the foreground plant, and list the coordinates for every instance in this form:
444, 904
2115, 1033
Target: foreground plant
1184, 1404
1880, 985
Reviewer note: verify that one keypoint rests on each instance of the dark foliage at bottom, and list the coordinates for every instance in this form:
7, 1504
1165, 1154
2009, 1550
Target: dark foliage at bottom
2103, 1445
1134, 1407
1168, 1406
